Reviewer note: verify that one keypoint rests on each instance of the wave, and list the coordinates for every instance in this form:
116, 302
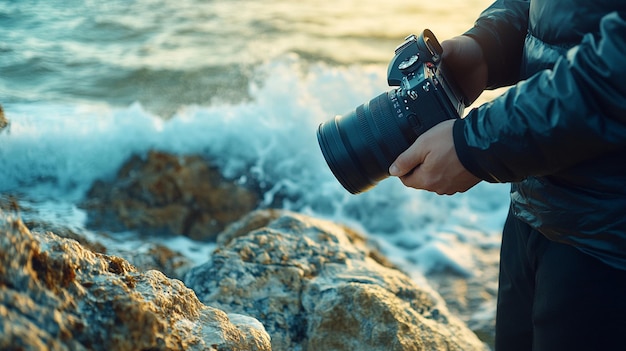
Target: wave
75, 143
54, 152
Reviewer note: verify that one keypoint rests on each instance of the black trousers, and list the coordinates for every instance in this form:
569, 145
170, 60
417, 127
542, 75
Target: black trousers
554, 297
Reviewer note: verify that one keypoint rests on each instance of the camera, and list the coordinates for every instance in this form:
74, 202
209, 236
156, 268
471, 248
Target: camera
360, 146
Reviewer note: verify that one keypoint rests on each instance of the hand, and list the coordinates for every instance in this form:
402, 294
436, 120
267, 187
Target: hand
464, 61
431, 163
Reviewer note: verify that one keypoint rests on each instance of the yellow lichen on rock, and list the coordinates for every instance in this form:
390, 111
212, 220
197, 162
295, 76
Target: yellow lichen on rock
56, 295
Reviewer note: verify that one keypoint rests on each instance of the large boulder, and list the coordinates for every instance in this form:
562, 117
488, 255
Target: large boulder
165, 194
56, 295
316, 285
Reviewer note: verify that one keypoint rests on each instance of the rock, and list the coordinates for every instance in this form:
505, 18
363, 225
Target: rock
316, 285
473, 298
56, 295
158, 257
3, 120
164, 194
12, 205
41, 227
150, 256
9, 203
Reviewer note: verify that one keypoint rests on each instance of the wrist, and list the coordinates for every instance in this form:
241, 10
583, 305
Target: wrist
464, 60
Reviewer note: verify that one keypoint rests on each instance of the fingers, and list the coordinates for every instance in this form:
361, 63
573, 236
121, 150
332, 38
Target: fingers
426, 178
432, 164
415, 179
407, 161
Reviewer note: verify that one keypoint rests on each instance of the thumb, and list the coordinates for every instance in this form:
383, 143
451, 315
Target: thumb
408, 160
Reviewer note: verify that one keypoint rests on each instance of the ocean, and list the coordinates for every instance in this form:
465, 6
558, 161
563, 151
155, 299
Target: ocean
87, 84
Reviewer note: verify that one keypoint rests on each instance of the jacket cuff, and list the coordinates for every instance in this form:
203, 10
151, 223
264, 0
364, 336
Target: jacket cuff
464, 154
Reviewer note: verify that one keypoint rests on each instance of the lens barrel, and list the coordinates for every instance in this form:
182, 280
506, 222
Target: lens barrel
360, 146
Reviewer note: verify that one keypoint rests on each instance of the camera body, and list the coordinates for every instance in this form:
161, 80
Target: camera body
425, 96
360, 146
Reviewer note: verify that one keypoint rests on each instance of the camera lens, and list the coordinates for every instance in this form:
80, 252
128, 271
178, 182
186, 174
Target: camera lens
360, 146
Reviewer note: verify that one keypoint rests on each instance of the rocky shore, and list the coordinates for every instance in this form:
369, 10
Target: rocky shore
277, 280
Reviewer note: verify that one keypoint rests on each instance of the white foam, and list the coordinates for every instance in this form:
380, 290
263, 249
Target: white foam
55, 152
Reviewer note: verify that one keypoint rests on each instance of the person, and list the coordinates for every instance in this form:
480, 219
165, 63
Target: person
558, 135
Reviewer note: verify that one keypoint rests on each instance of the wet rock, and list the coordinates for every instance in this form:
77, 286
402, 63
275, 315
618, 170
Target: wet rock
316, 285
165, 194
158, 257
3, 120
40, 227
150, 256
473, 298
56, 295
9, 204
13, 205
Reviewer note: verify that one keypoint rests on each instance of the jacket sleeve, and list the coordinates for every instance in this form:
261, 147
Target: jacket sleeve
557, 118
500, 31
